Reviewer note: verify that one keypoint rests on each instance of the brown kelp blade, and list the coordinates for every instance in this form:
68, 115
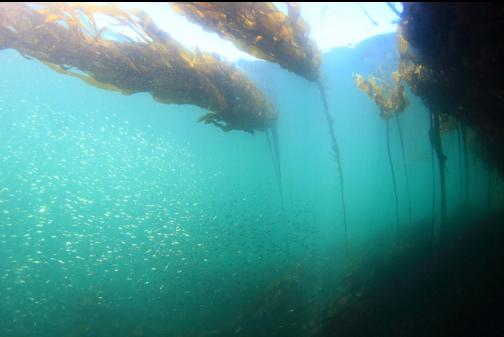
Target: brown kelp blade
260, 29
68, 37
391, 99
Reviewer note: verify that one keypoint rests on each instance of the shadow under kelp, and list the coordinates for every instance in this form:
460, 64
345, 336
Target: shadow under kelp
427, 290
282, 308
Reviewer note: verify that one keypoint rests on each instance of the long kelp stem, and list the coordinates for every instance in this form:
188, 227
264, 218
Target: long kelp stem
466, 166
393, 179
392, 7
405, 166
489, 190
461, 156
275, 158
367, 14
433, 219
335, 149
274, 153
438, 148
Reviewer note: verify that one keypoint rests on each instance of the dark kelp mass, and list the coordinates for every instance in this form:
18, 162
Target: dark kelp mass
66, 36
457, 55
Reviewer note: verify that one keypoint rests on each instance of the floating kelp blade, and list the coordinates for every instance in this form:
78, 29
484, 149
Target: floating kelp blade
147, 59
391, 99
260, 29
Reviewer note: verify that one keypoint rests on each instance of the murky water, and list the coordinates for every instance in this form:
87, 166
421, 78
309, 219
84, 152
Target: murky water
121, 216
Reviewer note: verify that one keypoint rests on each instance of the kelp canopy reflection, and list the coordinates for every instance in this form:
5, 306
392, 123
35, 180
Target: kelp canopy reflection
147, 59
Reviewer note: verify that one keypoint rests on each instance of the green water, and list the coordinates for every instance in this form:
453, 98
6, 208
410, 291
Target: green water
121, 216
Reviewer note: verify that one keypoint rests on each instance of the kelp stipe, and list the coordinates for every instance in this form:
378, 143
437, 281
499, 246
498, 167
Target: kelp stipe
336, 154
466, 165
392, 172
406, 176
275, 158
435, 138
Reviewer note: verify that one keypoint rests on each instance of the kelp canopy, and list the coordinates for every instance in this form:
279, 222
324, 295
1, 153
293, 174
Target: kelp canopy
69, 38
261, 30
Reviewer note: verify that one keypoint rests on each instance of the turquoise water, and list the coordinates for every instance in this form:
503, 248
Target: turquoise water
121, 216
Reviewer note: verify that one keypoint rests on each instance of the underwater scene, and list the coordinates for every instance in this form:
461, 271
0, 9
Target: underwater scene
151, 190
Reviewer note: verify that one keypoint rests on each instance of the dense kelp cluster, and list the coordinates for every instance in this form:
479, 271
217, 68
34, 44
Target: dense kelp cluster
68, 37
456, 58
